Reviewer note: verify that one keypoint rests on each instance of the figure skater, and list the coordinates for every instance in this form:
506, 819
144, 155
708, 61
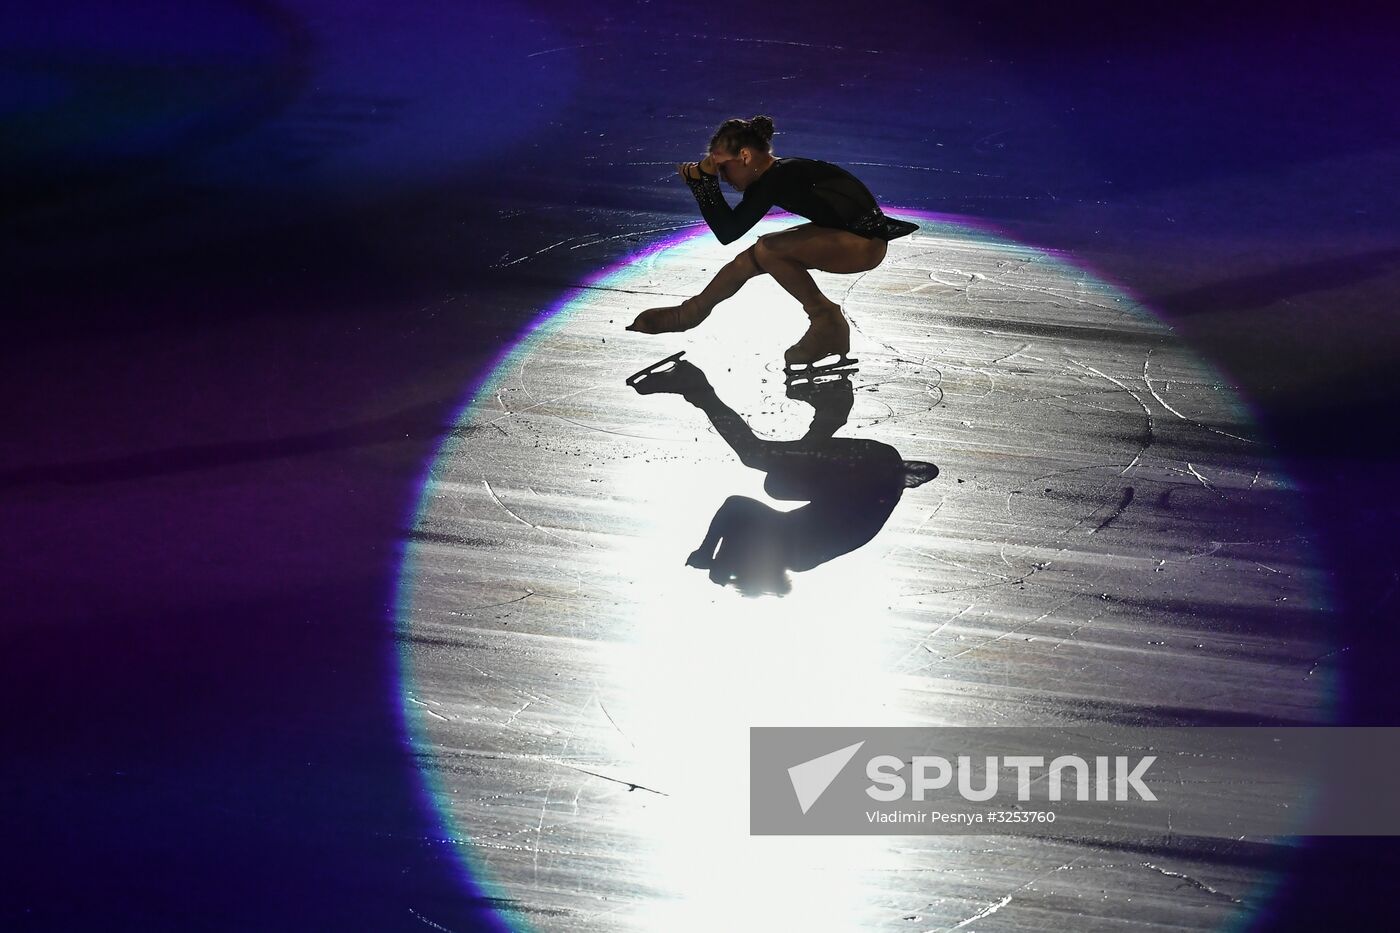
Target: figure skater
847, 234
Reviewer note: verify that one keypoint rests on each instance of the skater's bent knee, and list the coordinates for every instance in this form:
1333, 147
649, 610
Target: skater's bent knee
769, 254
747, 262
763, 254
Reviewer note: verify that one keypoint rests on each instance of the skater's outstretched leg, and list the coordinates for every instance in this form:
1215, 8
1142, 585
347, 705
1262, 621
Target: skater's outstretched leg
692, 311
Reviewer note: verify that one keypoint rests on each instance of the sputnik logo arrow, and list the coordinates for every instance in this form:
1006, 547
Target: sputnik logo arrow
810, 779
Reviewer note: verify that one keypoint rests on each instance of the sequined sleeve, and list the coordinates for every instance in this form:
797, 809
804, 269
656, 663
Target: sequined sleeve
728, 223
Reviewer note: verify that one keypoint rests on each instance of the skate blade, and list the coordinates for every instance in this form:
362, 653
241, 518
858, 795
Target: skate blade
656, 367
797, 373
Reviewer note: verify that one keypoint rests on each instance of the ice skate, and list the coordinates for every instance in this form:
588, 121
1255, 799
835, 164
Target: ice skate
671, 319
823, 350
672, 375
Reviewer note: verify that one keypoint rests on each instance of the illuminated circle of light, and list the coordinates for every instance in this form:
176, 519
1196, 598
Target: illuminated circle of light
671, 669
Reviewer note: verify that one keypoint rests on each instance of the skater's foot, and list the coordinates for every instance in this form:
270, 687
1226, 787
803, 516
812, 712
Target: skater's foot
827, 335
684, 316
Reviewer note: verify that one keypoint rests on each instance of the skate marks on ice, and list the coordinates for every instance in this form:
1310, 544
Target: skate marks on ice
1106, 540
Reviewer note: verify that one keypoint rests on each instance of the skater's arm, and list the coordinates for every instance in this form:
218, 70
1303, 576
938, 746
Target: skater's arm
727, 223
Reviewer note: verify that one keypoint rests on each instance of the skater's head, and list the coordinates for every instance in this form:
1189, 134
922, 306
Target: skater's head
736, 134
743, 150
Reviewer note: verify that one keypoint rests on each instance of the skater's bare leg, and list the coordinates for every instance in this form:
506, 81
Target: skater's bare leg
689, 313
787, 256
728, 280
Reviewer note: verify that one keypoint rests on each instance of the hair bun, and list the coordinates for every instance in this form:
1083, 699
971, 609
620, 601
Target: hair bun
736, 133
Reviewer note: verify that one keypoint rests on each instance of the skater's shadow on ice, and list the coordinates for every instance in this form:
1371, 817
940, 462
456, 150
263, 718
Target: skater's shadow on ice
851, 485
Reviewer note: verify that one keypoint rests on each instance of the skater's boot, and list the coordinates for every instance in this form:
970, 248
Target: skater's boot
684, 316
827, 335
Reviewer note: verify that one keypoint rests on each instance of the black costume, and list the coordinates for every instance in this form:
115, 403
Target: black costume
827, 195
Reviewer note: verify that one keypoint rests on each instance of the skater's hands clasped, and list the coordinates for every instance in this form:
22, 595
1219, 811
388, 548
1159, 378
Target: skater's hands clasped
692, 171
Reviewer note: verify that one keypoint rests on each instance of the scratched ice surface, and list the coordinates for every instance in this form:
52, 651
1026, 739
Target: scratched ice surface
1108, 540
